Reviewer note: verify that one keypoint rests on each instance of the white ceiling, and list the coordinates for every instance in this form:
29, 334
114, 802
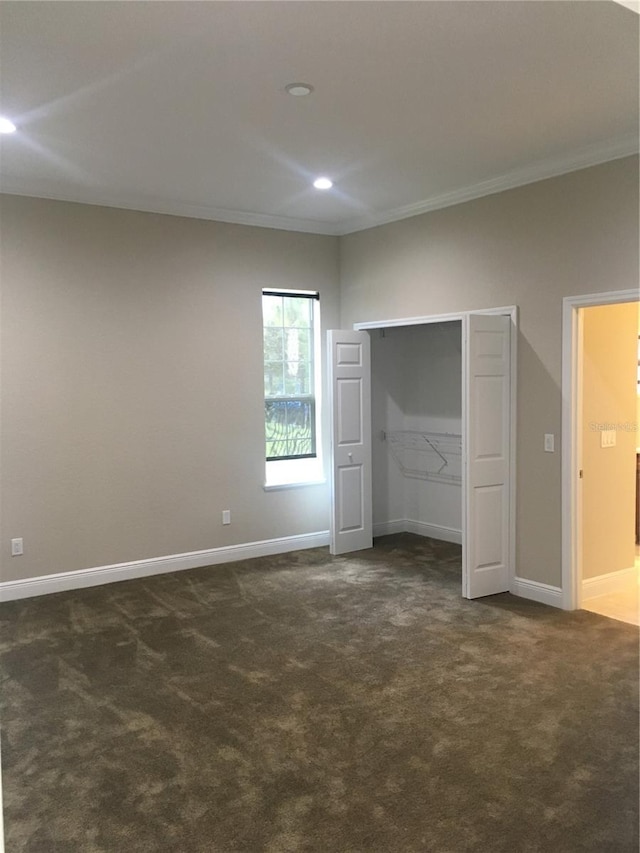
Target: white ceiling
180, 107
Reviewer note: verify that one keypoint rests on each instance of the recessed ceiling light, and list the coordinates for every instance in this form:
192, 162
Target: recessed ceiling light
323, 184
6, 126
299, 90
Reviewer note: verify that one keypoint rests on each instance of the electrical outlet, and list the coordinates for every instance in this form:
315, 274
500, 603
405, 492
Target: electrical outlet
226, 516
17, 549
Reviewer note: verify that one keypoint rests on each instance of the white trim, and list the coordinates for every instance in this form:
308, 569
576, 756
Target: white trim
276, 487
634, 5
512, 311
536, 591
420, 528
434, 531
385, 528
613, 149
306, 471
1, 811
571, 521
464, 449
12, 186
435, 318
407, 321
578, 450
513, 400
45, 584
621, 581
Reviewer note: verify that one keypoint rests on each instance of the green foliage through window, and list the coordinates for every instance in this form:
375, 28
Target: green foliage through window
289, 394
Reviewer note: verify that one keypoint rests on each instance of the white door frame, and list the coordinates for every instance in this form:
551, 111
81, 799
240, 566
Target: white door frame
571, 436
512, 312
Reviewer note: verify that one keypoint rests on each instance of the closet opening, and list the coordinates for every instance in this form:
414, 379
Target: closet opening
423, 423
416, 426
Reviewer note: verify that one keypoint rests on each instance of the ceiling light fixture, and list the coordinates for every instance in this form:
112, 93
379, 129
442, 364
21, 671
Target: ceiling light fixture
299, 90
323, 184
6, 126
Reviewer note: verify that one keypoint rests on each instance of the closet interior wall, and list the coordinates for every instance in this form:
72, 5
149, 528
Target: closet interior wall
416, 389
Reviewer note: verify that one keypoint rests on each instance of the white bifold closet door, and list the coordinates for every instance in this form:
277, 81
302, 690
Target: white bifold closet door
350, 407
487, 436
487, 453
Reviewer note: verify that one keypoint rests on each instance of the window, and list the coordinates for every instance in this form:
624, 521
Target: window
289, 325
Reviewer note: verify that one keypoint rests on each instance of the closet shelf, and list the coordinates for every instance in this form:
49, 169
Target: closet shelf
427, 455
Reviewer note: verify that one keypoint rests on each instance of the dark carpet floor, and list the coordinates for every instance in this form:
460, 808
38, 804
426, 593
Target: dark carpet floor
311, 703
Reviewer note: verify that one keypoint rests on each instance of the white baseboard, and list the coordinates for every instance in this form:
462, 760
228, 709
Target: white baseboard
83, 578
45, 584
384, 528
420, 528
434, 531
612, 582
536, 591
533, 590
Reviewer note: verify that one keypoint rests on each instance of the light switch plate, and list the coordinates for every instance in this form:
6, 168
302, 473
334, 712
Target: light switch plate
608, 438
549, 442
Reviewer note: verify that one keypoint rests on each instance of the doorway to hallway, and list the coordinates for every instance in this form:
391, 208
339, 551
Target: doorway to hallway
600, 441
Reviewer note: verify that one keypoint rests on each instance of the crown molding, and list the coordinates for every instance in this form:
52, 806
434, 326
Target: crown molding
591, 156
634, 5
13, 186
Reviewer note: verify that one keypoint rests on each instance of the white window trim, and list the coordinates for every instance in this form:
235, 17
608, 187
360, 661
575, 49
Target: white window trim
309, 471
294, 473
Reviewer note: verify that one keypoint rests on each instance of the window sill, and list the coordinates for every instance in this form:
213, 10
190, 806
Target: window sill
293, 474
274, 487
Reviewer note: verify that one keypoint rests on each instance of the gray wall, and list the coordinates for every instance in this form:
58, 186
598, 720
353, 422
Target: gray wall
132, 389
530, 247
132, 369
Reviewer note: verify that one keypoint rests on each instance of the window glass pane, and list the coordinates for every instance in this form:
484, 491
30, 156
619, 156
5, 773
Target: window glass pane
296, 379
304, 447
305, 338
297, 312
291, 385
297, 344
289, 428
276, 448
292, 347
276, 429
289, 376
272, 310
273, 344
273, 379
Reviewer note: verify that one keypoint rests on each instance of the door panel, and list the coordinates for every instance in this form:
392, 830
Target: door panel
350, 408
488, 401
349, 411
486, 567
349, 355
351, 505
488, 532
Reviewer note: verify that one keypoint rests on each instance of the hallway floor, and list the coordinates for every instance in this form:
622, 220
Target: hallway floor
623, 606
